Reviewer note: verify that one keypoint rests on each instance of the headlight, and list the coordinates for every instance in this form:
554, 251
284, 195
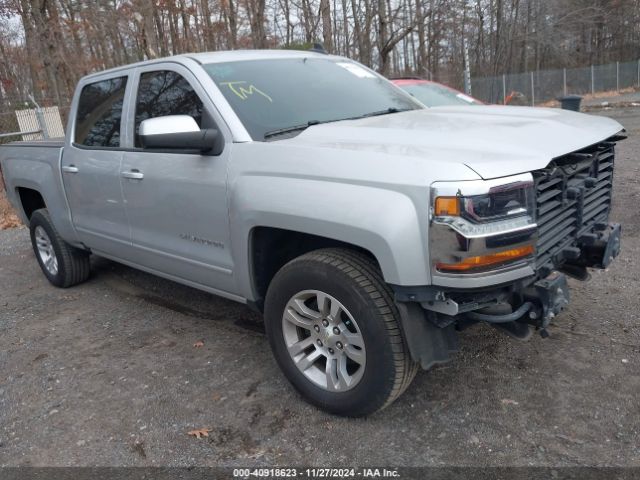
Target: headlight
484, 226
500, 202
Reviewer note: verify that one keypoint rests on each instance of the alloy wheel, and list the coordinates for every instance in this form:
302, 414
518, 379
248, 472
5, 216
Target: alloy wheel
324, 340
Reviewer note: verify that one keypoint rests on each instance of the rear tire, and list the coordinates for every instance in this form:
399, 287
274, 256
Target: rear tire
335, 332
62, 264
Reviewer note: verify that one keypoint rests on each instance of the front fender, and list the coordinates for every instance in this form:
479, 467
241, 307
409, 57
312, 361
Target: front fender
382, 221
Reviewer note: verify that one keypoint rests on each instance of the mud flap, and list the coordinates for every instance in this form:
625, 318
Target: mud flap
428, 344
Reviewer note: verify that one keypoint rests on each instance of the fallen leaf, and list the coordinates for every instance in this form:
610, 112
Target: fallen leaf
508, 401
138, 447
199, 344
200, 432
10, 221
8, 218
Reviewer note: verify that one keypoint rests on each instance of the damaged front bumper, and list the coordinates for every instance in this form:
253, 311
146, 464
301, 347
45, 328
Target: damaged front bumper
431, 316
512, 273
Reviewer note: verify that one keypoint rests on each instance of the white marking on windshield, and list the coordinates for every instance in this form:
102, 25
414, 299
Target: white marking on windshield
356, 70
466, 98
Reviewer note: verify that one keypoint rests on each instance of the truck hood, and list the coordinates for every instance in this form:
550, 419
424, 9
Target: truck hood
493, 141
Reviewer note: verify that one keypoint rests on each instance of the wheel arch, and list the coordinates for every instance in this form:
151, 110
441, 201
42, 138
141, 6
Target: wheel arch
30, 200
271, 248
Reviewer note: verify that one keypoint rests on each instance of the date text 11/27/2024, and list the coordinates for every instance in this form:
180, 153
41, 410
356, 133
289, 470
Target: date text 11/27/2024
315, 473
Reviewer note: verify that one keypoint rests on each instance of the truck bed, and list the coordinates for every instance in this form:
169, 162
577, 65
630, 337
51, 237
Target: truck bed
34, 166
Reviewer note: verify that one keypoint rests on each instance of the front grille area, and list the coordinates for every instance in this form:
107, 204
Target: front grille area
573, 197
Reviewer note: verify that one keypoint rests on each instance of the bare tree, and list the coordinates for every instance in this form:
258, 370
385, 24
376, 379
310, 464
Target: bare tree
61, 40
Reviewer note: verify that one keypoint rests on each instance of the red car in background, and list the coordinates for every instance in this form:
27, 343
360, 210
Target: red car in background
434, 94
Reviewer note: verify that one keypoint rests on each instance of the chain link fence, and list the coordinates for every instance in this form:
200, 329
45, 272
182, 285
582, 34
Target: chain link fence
8, 123
27, 120
542, 86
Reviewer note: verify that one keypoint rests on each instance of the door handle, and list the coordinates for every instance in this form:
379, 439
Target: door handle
70, 169
133, 174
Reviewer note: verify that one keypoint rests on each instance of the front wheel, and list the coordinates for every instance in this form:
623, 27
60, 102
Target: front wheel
335, 332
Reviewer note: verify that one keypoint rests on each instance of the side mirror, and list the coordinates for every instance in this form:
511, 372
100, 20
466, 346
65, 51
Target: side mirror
179, 132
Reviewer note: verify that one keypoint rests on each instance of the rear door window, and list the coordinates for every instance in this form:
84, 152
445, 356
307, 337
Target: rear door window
100, 113
165, 93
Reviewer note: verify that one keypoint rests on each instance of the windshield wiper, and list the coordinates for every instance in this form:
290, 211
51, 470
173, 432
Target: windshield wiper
304, 126
295, 128
381, 112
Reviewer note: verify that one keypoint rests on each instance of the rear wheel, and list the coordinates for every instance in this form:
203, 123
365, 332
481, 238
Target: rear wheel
62, 264
335, 332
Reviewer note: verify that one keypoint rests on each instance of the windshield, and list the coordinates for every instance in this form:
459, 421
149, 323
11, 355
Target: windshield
273, 97
434, 95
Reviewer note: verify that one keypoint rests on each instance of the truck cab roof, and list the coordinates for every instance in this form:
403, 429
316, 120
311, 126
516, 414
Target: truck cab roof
218, 57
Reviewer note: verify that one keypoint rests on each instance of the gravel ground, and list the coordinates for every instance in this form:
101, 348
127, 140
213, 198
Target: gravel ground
613, 99
106, 374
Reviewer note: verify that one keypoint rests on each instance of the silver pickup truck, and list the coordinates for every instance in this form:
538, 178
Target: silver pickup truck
367, 228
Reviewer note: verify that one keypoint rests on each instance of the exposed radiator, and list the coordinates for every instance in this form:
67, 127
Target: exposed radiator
573, 196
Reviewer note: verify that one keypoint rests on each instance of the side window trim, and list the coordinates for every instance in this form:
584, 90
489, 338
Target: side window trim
130, 95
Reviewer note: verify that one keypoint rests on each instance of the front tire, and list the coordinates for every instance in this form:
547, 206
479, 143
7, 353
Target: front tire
62, 264
335, 332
